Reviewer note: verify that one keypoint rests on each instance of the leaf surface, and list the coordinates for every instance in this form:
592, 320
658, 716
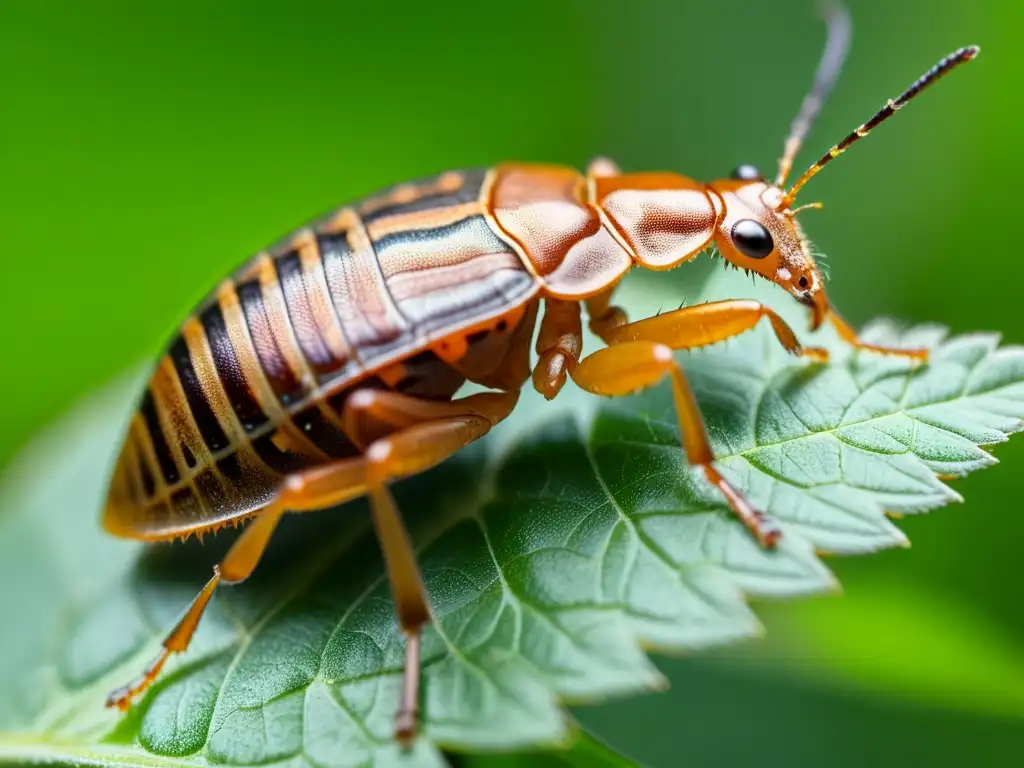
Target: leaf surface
554, 552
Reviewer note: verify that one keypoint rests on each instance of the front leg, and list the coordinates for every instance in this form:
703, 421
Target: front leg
632, 365
822, 310
704, 324
640, 355
849, 335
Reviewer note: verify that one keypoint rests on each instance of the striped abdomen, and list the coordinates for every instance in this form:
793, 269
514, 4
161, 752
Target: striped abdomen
396, 291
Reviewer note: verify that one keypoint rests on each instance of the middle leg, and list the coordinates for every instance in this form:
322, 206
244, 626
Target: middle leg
403, 436
407, 451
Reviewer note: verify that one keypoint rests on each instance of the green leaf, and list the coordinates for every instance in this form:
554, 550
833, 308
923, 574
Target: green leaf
554, 552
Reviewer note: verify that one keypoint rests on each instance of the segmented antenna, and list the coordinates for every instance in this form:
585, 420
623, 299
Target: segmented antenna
944, 67
837, 45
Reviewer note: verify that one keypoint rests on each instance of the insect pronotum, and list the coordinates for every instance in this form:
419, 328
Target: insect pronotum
328, 365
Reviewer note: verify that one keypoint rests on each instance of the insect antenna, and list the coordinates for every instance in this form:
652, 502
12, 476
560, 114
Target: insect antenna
837, 21
942, 68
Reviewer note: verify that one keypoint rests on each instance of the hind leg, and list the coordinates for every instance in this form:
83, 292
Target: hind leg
402, 436
405, 452
236, 566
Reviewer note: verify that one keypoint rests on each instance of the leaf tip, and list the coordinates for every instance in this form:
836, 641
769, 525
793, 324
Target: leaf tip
658, 683
832, 585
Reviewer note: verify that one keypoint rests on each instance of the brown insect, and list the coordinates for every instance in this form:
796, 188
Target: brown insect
327, 366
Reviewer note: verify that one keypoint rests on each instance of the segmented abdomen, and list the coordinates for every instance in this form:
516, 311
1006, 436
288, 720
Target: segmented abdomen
254, 385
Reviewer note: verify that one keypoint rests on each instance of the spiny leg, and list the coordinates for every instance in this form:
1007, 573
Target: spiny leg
236, 566
421, 435
405, 452
641, 355
632, 365
402, 436
849, 335
709, 323
405, 435
704, 324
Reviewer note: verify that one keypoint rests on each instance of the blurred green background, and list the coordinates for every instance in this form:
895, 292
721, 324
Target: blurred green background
146, 148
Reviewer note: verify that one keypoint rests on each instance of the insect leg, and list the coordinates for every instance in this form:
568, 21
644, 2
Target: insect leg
371, 414
709, 323
422, 434
632, 365
559, 345
408, 452
640, 354
236, 566
405, 452
604, 316
849, 335
409, 436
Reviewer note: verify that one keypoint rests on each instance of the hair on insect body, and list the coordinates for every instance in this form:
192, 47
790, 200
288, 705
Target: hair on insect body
328, 366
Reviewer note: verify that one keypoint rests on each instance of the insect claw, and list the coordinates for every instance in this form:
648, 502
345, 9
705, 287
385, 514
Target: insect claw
766, 529
815, 354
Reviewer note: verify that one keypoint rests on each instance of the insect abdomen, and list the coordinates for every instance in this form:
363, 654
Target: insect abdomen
253, 387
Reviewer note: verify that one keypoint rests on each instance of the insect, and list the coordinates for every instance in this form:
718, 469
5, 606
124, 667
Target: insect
329, 365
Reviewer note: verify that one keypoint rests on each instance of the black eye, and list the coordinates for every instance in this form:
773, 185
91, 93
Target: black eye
746, 172
803, 282
752, 239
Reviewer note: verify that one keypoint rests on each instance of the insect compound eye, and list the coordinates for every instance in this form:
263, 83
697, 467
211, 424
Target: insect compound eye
803, 282
752, 239
747, 172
